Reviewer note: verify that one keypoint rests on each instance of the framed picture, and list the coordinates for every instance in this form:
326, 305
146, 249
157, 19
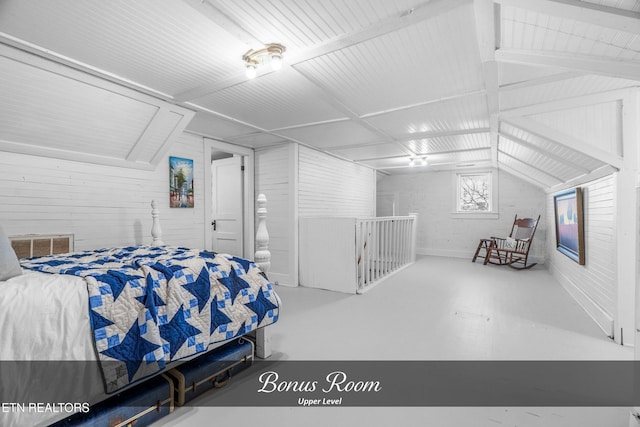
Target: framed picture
180, 182
570, 224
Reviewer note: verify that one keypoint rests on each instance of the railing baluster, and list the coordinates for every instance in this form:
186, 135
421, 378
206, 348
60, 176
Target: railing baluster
375, 254
397, 244
403, 245
385, 256
385, 244
367, 264
404, 241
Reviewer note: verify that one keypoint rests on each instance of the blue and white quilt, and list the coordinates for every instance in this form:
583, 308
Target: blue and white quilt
153, 305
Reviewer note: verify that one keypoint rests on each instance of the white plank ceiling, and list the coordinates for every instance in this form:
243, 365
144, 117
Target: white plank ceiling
464, 83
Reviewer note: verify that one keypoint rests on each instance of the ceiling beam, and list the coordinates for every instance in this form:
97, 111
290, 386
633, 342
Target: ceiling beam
240, 122
413, 137
592, 64
219, 18
443, 165
568, 141
59, 63
518, 174
552, 78
431, 153
304, 125
575, 10
423, 11
566, 103
487, 20
442, 134
458, 96
544, 152
333, 99
494, 137
592, 176
529, 165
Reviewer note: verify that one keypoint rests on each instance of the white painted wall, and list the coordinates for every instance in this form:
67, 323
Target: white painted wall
593, 285
299, 181
432, 195
274, 178
328, 186
101, 205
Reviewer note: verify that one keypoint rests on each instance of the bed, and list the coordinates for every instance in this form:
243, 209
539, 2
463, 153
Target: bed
93, 323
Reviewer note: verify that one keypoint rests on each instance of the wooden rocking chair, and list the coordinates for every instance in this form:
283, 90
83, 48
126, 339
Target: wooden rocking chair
513, 250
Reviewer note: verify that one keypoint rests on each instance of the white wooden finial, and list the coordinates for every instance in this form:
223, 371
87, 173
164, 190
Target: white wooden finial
156, 231
262, 256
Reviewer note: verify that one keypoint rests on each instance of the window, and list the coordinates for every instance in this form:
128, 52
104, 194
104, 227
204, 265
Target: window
474, 193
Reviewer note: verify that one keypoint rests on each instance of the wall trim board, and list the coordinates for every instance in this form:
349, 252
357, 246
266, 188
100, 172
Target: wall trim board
281, 279
294, 231
444, 253
599, 316
41, 151
464, 255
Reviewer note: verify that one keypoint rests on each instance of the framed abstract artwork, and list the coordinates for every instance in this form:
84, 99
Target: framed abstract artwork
180, 182
569, 218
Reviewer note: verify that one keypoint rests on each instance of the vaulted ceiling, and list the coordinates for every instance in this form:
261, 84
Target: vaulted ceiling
532, 87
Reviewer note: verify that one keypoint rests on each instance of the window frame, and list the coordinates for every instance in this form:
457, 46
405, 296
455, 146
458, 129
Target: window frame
492, 212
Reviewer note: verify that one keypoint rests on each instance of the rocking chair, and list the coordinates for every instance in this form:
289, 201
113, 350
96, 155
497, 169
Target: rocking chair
513, 250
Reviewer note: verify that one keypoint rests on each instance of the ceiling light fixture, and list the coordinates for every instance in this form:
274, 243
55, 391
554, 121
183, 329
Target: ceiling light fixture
413, 161
271, 53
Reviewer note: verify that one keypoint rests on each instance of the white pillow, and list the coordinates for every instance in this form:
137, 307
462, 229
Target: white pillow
510, 243
9, 265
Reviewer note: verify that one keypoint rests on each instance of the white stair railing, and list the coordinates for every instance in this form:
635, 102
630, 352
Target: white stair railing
384, 245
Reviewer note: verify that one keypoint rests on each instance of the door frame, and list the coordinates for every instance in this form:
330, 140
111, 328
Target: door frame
211, 145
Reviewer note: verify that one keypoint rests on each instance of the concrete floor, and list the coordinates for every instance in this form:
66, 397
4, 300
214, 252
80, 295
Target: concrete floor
450, 309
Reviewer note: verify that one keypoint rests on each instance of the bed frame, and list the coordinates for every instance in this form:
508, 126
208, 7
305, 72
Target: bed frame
30, 245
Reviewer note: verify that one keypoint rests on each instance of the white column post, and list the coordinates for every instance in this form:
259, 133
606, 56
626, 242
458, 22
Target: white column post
262, 256
263, 261
156, 231
414, 235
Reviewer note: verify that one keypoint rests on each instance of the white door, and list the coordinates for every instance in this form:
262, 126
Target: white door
227, 197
